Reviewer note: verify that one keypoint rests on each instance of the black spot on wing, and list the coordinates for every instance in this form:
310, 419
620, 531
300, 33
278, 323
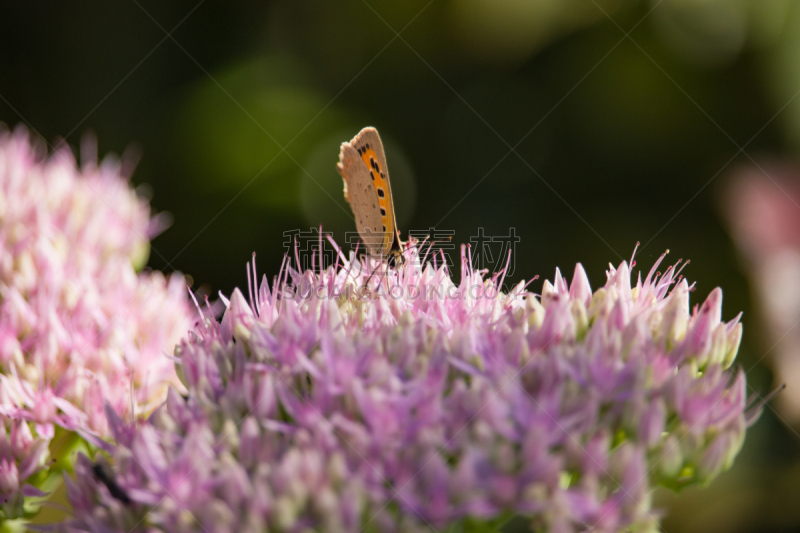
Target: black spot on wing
380, 192
383, 212
372, 175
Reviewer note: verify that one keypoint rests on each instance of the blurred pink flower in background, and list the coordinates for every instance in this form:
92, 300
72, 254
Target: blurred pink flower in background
78, 325
763, 211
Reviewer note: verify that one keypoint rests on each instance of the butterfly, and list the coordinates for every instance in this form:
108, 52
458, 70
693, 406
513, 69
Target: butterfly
362, 164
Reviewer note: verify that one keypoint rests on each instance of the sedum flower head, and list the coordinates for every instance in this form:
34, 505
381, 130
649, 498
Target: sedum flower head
78, 325
341, 401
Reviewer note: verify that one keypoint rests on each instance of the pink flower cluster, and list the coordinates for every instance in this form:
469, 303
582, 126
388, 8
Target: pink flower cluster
345, 414
78, 326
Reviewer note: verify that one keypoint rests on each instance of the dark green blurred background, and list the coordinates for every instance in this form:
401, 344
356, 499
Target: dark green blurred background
621, 139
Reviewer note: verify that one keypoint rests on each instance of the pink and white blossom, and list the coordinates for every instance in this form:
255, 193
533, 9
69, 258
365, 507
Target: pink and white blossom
78, 326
